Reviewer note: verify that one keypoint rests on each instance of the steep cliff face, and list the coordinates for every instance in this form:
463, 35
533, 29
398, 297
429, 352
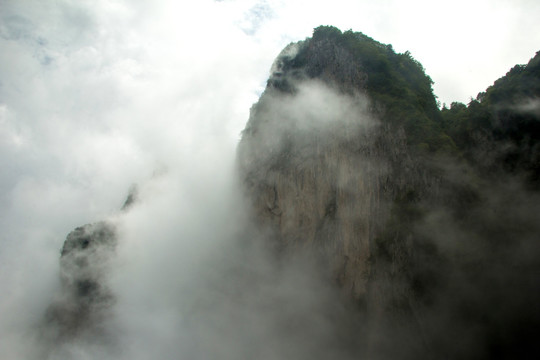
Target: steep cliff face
321, 167
346, 157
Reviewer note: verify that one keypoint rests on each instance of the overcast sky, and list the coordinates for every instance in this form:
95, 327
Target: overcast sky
98, 95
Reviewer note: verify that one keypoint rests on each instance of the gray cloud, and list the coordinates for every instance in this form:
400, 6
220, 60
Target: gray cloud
530, 106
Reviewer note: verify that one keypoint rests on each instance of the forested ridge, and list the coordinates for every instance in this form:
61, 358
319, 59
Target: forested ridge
402, 93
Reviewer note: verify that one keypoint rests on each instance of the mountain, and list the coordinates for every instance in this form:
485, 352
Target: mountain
426, 218
422, 223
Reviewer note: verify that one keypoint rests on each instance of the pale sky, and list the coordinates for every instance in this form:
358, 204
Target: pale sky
96, 95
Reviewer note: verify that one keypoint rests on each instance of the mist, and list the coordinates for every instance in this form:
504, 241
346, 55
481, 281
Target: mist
96, 98
189, 279
86, 114
89, 109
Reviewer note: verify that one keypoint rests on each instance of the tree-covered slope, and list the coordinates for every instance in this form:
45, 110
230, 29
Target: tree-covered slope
500, 129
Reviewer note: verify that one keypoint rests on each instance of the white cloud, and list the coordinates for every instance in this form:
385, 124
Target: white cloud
464, 45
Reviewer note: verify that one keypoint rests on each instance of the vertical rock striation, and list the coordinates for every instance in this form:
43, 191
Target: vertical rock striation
320, 167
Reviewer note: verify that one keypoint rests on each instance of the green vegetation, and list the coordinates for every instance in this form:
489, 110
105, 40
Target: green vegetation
506, 116
399, 83
402, 95
499, 111
396, 83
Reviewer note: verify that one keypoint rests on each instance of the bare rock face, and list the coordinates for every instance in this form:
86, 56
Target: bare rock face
85, 297
328, 177
322, 59
316, 163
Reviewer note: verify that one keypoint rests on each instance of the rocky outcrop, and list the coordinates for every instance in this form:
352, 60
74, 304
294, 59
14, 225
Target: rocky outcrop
322, 59
85, 297
322, 180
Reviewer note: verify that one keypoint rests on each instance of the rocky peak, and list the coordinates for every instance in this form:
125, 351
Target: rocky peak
318, 163
85, 296
321, 58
